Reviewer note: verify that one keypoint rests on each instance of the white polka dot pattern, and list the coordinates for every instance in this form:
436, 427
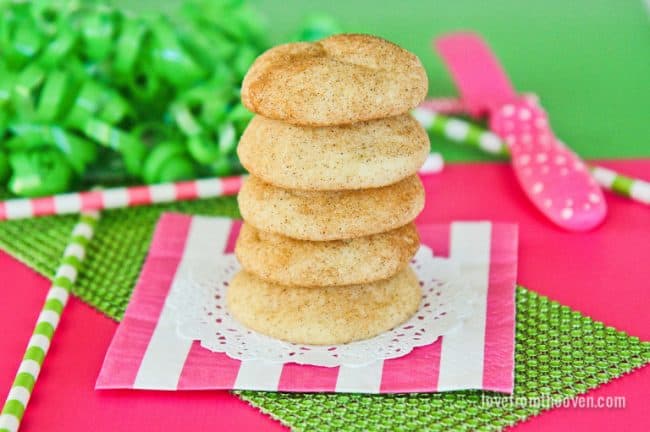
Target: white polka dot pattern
551, 175
634, 188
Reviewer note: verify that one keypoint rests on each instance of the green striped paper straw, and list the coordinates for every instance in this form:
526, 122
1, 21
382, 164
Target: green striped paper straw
636, 189
464, 132
48, 320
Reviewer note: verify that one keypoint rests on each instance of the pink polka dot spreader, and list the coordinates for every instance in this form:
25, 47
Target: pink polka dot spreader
552, 176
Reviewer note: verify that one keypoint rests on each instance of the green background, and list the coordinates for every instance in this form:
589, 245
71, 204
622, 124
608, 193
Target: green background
589, 60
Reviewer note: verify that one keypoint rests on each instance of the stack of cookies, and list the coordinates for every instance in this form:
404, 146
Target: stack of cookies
329, 206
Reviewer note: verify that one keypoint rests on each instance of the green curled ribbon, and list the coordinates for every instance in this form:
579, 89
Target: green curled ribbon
20, 40
26, 42
5, 169
133, 150
96, 100
90, 94
203, 149
208, 104
4, 121
208, 151
153, 132
227, 139
98, 29
24, 88
144, 86
170, 59
39, 171
56, 96
128, 46
168, 161
115, 109
186, 120
50, 14
6, 90
239, 116
225, 166
78, 151
244, 58
209, 46
62, 47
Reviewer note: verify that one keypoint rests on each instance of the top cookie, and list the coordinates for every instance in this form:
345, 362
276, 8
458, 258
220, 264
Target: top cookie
342, 79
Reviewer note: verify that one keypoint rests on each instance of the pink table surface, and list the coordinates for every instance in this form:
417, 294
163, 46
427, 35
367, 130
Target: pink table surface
604, 274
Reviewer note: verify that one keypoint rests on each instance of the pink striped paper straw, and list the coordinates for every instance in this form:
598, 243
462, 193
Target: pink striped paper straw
140, 195
119, 197
444, 105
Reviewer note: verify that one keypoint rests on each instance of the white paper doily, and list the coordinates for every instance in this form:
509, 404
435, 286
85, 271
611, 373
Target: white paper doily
199, 301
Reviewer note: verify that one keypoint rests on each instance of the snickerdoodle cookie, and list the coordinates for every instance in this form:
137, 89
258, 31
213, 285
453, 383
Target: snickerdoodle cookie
330, 215
323, 315
361, 155
283, 260
342, 79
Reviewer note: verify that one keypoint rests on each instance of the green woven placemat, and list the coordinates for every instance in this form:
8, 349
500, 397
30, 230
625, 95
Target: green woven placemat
559, 352
114, 256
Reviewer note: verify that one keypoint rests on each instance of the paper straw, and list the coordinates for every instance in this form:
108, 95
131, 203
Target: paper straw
461, 131
121, 197
434, 164
636, 189
47, 322
444, 105
140, 195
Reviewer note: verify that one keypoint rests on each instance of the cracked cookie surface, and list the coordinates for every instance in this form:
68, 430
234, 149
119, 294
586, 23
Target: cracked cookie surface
342, 79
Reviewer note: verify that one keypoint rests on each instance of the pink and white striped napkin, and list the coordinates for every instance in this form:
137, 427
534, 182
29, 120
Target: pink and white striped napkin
147, 353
